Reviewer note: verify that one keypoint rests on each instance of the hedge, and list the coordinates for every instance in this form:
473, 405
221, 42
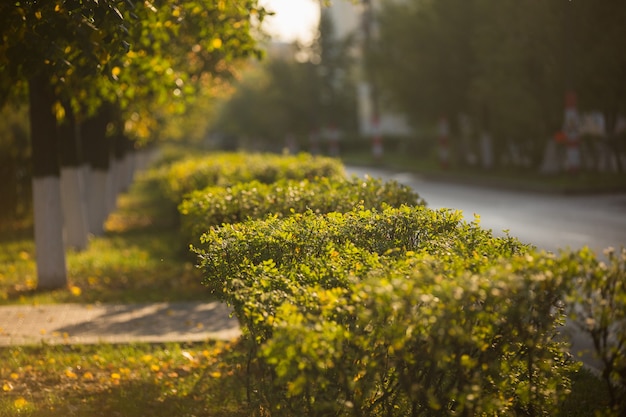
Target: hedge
227, 169
420, 339
389, 309
399, 311
203, 209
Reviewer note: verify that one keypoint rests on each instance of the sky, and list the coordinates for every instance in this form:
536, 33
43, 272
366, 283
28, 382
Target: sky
294, 19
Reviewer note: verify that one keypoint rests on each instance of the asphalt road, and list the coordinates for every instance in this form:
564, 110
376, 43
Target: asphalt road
549, 222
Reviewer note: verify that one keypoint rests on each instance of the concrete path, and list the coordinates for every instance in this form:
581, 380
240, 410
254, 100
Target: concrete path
116, 323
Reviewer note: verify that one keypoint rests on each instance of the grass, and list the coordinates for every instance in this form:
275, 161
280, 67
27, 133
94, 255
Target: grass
139, 259
123, 380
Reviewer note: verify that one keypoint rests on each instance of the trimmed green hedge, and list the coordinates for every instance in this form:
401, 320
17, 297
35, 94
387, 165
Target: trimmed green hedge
388, 309
214, 206
418, 337
231, 255
227, 169
402, 311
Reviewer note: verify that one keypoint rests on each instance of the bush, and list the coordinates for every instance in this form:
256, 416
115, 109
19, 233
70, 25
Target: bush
597, 306
214, 206
402, 311
227, 169
396, 310
233, 256
421, 338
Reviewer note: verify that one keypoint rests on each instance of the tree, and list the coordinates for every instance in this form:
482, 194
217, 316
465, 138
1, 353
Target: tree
289, 97
333, 59
424, 59
596, 65
72, 51
47, 45
516, 88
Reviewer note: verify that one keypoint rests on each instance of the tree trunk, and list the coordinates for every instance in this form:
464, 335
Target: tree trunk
72, 186
48, 219
96, 146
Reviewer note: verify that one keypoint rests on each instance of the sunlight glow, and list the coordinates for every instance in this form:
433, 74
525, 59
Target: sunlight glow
294, 19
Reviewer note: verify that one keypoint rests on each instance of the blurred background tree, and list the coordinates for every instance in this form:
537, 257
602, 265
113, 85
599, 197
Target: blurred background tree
298, 93
504, 68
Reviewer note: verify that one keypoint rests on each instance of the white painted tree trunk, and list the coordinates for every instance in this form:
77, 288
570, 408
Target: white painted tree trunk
74, 210
50, 250
97, 201
129, 170
111, 187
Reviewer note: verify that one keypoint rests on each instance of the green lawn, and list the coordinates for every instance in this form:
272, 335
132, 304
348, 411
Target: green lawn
124, 380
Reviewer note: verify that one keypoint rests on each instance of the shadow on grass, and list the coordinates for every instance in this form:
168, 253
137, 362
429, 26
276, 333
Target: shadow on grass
162, 396
173, 379
140, 399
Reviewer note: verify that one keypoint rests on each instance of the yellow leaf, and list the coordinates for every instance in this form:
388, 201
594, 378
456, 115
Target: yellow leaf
38, 15
7, 387
59, 111
216, 374
216, 43
115, 72
14, 376
155, 367
88, 376
115, 375
70, 374
176, 12
20, 403
76, 291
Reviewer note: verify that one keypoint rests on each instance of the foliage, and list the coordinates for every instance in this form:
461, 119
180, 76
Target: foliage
80, 58
294, 98
425, 338
505, 66
393, 312
225, 169
597, 306
149, 58
214, 206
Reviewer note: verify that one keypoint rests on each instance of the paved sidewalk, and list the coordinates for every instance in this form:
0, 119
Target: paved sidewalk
116, 323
